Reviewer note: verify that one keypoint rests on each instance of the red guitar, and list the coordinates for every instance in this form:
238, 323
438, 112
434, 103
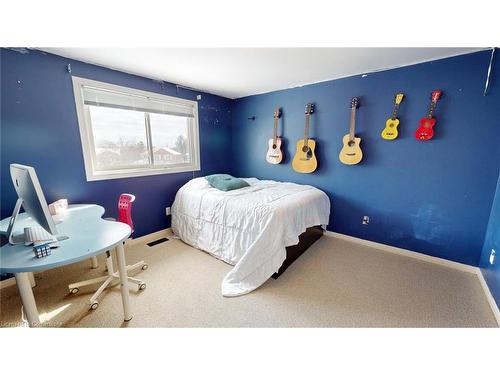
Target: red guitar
425, 130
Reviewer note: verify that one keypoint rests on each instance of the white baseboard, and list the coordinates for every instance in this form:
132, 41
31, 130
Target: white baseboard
489, 296
7, 282
426, 258
149, 237
408, 253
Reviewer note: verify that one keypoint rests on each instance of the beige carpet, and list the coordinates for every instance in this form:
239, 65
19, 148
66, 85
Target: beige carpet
334, 284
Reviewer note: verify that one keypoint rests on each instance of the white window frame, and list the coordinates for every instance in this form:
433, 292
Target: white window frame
87, 137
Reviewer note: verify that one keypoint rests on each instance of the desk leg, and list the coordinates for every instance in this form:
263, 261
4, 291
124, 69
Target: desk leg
27, 298
122, 270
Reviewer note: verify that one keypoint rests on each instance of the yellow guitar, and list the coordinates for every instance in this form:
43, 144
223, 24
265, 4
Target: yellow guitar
305, 160
351, 152
390, 131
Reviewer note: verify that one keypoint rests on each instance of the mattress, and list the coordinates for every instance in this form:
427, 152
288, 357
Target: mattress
248, 228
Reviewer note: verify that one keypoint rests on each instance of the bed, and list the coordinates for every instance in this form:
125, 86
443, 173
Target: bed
251, 228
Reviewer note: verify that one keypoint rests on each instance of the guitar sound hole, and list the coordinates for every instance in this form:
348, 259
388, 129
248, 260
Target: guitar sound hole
351, 143
391, 125
274, 146
305, 149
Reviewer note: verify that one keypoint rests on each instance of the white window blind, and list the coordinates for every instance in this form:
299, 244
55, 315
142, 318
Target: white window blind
112, 99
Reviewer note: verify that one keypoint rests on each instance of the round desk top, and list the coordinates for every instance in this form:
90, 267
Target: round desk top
88, 233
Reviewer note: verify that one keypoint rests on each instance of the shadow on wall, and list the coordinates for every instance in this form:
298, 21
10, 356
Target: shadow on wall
421, 232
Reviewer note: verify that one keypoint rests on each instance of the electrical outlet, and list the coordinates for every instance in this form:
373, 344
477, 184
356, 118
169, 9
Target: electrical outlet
167, 211
366, 220
198, 97
492, 256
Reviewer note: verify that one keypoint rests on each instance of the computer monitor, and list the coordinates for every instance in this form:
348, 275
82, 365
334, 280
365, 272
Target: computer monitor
31, 198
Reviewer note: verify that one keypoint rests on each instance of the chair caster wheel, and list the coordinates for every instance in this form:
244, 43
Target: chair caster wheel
142, 286
94, 305
74, 290
145, 267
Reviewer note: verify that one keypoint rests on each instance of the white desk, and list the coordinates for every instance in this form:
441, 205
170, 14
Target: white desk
89, 235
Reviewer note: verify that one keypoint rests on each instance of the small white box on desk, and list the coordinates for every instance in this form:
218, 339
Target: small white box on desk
58, 207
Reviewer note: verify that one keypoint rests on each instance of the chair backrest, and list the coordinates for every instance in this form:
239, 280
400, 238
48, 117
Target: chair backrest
125, 209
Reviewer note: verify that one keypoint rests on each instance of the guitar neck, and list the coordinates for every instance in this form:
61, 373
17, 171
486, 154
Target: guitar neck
306, 130
275, 130
395, 111
431, 110
352, 124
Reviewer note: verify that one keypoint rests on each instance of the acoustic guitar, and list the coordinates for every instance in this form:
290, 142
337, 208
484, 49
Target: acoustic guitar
274, 154
426, 129
351, 152
390, 131
305, 160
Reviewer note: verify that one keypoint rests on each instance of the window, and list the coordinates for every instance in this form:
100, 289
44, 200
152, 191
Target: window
127, 132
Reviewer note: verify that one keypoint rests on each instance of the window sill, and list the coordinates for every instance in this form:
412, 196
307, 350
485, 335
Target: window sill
112, 175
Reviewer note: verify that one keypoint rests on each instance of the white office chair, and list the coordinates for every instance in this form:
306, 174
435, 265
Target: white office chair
124, 216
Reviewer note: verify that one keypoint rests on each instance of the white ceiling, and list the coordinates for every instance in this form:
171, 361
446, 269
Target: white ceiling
238, 72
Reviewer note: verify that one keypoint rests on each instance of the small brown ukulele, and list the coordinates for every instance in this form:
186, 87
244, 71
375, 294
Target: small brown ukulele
274, 154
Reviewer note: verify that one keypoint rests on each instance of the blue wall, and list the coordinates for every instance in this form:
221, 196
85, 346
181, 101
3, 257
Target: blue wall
39, 127
491, 272
432, 197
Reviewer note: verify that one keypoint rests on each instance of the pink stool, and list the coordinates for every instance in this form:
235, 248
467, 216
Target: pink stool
124, 216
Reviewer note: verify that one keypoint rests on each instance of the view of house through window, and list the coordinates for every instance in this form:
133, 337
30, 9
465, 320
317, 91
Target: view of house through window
128, 132
170, 139
120, 138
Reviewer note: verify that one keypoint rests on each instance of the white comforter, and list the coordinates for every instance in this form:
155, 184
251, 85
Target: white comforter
249, 227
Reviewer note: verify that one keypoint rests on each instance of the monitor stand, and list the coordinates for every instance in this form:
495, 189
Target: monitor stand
19, 239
